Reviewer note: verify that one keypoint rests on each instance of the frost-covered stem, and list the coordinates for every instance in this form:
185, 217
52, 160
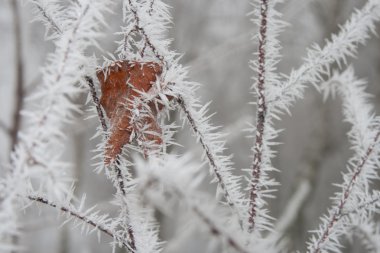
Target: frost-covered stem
261, 116
138, 27
48, 17
208, 152
365, 205
215, 230
121, 186
59, 75
19, 77
151, 7
95, 100
344, 44
89, 79
334, 218
91, 85
79, 216
368, 232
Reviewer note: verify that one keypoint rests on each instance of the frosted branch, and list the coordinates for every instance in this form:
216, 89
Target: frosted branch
154, 178
356, 31
261, 114
37, 154
228, 183
151, 28
48, 14
95, 100
364, 136
266, 82
85, 218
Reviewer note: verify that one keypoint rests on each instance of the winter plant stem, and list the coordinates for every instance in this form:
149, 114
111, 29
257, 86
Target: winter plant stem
261, 116
119, 175
338, 213
209, 153
96, 101
19, 80
205, 218
207, 150
19, 77
121, 186
135, 227
138, 27
79, 216
48, 18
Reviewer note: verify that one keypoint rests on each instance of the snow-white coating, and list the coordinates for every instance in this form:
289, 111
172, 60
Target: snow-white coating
187, 191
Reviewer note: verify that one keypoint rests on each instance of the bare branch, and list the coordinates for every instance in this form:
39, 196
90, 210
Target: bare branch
293, 207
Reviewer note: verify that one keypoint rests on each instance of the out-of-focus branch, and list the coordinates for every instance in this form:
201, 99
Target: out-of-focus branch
89, 79
19, 75
19, 84
5, 128
205, 218
293, 207
221, 51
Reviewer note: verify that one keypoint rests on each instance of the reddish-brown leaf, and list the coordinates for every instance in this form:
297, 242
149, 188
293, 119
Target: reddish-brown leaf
116, 101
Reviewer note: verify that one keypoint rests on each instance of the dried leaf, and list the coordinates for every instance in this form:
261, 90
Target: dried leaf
120, 84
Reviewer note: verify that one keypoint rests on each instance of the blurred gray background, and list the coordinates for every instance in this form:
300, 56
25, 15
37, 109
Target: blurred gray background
215, 38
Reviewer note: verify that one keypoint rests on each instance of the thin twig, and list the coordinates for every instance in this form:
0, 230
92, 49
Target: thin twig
208, 152
261, 118
121, 185
19, 75
95, 99
48, 18
345, 195
81, 217
138, 27
293, 208
362, 206
215, 230
151, 7
19, 85
89, 79
90, 82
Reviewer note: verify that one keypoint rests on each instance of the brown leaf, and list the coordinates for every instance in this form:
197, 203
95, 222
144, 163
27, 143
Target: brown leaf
116, 101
